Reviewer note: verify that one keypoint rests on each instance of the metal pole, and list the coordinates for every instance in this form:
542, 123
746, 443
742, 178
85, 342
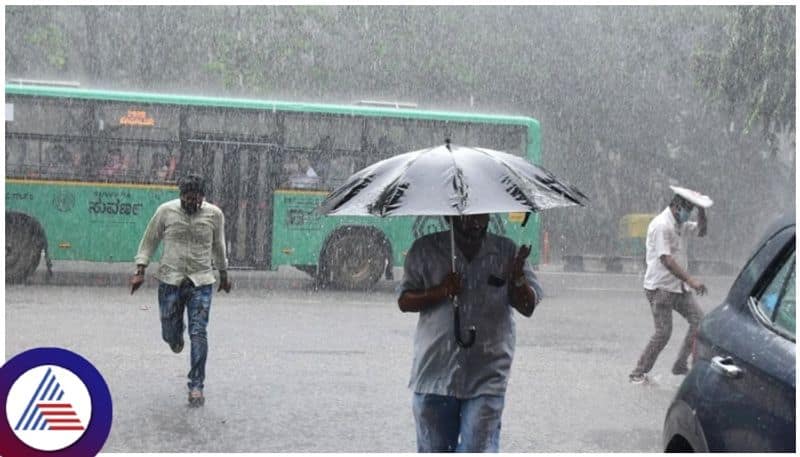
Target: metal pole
456, 317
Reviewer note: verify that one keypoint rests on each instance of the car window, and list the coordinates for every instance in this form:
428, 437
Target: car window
777, 301
763, 256
785, 317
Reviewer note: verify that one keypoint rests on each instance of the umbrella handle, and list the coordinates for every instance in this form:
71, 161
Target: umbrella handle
456, 318
457, 328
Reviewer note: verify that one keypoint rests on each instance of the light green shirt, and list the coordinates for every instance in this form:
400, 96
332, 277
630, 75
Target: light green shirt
193, 245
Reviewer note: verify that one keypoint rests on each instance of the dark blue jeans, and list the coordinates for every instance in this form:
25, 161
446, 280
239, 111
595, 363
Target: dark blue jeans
197, 300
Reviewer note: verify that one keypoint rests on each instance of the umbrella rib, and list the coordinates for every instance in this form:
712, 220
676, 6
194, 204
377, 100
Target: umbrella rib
349, 192
460, 188
388, 199
551, 183
512, 180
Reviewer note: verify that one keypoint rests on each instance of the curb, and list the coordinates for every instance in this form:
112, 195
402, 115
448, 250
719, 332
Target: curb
88, 274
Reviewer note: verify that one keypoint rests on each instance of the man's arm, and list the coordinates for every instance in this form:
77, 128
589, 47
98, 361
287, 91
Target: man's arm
669, 262
219, 254
702, 222
523, 298
414, 301
150, 240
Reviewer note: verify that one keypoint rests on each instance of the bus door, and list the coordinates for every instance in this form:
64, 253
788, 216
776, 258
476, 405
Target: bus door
241, 178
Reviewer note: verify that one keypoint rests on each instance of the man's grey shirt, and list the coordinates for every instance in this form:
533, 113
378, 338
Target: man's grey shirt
440, 365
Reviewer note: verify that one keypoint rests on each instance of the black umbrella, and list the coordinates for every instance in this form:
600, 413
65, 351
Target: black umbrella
450, 180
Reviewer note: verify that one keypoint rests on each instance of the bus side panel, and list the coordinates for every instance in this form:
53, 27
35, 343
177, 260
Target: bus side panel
299, 232
88, 222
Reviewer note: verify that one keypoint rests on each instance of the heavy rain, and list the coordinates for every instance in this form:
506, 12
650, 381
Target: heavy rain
284, 112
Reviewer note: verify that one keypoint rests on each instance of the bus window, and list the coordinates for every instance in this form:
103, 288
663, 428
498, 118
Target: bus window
59, 162
162, 165
46, 116
300, 173
340, 169
309, 131
114, 166
22, 159
321, 137
388, 137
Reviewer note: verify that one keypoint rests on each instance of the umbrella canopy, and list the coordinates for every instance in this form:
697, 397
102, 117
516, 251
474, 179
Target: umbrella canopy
450, 180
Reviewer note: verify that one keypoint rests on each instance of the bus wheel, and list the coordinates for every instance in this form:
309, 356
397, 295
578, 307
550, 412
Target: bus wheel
24, 244
354, 258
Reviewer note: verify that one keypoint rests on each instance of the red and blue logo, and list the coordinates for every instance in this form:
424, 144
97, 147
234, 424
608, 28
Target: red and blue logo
56, 404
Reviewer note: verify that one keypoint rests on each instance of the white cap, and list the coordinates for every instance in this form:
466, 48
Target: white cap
693, 196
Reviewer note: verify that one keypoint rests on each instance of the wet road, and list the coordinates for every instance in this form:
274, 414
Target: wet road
296, 370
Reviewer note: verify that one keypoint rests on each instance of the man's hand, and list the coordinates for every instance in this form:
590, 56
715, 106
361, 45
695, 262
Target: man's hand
679, 272
451, 284
516, 270
698, 286
137, 279
224, 283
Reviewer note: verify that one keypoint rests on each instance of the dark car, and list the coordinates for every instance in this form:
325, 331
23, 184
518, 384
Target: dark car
740, 392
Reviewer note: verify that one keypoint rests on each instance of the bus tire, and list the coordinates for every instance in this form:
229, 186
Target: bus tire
24, 244
354, 258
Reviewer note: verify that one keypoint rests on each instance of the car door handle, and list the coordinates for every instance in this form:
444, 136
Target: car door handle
726, 366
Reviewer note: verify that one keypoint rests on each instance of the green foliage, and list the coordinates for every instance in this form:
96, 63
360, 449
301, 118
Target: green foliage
51, 41
754, 73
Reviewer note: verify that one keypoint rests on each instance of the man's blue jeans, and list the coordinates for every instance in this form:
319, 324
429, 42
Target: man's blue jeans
197, 301
441, 420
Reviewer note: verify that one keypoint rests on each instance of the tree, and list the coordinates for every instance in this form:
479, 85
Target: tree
753, 75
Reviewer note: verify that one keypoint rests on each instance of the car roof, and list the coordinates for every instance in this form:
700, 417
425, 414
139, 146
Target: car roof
783, 221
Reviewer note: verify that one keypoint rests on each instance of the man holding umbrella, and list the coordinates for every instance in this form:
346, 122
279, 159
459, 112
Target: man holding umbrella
459, 383
459, 388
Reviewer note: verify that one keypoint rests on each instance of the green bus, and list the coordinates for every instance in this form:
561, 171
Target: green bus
85, 170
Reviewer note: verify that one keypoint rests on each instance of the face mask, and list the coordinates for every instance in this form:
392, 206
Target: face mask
683, 215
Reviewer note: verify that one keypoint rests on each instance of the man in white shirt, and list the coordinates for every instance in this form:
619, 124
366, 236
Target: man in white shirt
666, 281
